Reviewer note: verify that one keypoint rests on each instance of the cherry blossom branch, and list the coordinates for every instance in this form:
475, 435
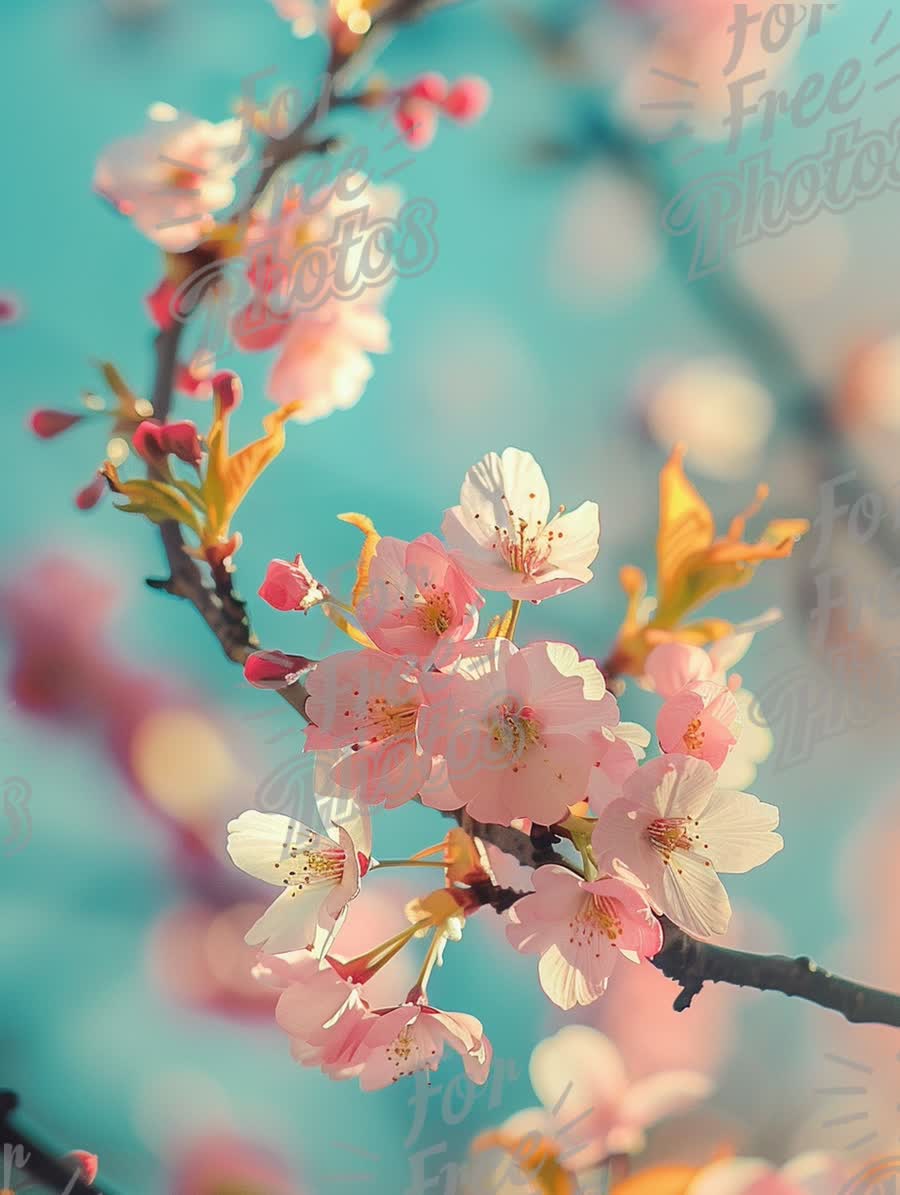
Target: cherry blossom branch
691, 963
222, 611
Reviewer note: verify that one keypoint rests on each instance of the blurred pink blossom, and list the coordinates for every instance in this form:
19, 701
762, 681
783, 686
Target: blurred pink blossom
171, 178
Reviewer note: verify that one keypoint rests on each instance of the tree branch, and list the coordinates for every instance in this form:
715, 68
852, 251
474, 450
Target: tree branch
691, 963
219, 607
37, 1161
685, 960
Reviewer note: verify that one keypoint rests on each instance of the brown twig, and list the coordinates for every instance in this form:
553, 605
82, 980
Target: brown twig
691, 963
222, 611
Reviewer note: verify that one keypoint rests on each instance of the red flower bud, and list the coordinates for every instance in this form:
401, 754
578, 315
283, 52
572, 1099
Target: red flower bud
291, 586
47, 423
468, 99
88, 498
417, 122
88, 1165
153, 441
430, 87
228, 390
274, 669
181, 440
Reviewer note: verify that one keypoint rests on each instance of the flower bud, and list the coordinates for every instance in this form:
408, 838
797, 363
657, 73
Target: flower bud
154, 441
274, 669
88, 498
468, 99
228, 390
417, 122
47, 423
291, 586
88, 1164
430, 87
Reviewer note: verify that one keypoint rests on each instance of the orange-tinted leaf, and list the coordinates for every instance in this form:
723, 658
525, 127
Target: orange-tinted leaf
155, 500
685, 521
364, 524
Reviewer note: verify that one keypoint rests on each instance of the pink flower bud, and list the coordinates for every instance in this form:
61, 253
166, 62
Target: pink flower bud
146, 440
417, 122
430, 87
88, 498
291, 586
181, 440
88, 1165
468, 99
47, 423
10, 308
154, 441
228, 389
159, 305
274, 669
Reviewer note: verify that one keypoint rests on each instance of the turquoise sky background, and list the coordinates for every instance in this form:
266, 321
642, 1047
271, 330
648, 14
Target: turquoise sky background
491, 347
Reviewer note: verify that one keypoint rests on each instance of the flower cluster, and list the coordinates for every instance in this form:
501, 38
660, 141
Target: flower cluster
303, 270
591, 1113
509, 737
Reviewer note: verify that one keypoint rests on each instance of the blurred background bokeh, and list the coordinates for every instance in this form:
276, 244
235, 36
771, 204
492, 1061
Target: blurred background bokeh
559, 317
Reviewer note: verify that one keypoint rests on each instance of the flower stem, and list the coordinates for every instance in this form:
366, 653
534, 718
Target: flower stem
419, 991
514, 619
408, 863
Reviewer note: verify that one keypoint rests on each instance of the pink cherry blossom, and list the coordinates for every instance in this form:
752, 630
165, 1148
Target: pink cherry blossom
418, 599
515, 728
590, 1109
617, 751
324, 1014
503, 536
411, 1038
579, 928
320, 875
676, 831
291, 586
324, 357
370, 702
808, 1174
699, 717
324, 337
173, 176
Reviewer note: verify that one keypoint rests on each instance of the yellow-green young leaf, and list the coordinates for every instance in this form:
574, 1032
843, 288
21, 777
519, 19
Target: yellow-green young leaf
131, 408
191, 492
230, 476
364, 524
155, 500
